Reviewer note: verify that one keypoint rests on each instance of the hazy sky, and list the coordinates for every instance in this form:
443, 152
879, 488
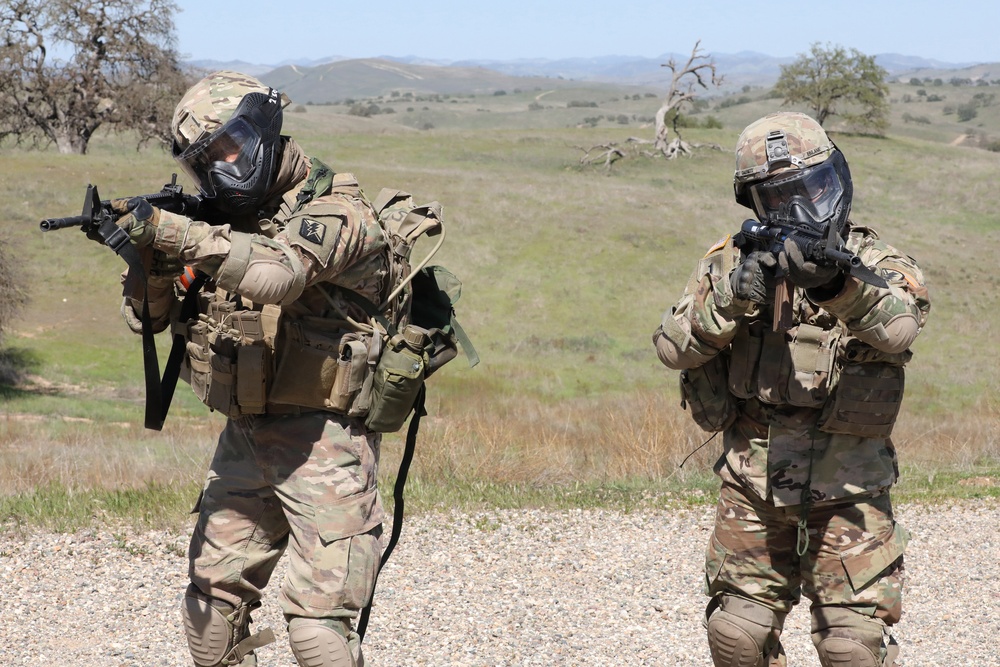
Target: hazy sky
271, 31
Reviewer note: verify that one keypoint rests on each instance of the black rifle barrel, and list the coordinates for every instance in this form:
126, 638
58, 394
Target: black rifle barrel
61, 223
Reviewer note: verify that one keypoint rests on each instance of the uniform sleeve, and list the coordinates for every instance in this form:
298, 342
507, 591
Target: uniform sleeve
705, 319
316, 244
887, 318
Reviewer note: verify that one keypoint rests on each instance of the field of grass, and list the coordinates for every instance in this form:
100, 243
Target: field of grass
566, 273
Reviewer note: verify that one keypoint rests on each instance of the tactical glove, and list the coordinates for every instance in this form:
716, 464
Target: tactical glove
139, 219
754, 279
804, 272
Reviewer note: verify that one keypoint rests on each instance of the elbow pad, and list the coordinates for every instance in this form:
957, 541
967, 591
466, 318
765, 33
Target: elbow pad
262, 270
892, 335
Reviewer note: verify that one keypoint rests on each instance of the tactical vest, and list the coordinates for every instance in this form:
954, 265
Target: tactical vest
250, 359
855, 388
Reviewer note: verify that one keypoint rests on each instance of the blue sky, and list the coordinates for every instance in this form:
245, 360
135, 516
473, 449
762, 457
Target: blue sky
269, 31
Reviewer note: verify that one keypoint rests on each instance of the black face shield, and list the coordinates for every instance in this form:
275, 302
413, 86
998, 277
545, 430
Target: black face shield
812, 196
235, 165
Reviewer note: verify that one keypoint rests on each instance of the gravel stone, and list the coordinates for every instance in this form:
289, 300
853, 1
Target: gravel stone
503, 588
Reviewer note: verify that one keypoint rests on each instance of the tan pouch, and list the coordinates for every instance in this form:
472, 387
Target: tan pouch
307, 364
252, 363
352, 368
196, 370
812, 351
222, 369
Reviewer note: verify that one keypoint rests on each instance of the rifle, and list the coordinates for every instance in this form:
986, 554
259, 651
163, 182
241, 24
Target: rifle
95, 211
98, 222
825, 247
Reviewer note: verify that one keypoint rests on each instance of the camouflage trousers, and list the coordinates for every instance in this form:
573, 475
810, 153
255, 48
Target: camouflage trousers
853, 558
301, 483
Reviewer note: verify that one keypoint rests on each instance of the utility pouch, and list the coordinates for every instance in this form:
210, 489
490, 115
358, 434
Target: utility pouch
744, 358
222, 371
812, 351
352, 372
400, 372
307, 366
865, 401
197, 371
705, 390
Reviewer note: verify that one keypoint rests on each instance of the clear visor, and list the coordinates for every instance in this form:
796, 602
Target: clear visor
229, 150
818, 189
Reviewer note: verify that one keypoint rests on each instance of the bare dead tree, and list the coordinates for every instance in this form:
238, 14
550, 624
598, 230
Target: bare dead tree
698, 72
68, 67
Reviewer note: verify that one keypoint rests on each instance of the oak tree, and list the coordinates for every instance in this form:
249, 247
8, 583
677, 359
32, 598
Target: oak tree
69, 67
834, 81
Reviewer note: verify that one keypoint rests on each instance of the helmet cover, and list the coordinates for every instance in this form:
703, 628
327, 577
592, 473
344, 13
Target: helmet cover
788, 170
227, 138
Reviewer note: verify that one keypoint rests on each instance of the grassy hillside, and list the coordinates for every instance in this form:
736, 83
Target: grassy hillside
566, 273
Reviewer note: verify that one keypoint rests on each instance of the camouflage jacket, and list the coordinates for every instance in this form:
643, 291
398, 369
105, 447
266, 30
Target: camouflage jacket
311, 244
773, 444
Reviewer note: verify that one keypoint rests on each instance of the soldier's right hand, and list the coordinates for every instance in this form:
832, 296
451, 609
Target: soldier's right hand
754, 278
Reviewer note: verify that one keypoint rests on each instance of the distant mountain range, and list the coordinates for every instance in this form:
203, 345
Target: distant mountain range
738, 69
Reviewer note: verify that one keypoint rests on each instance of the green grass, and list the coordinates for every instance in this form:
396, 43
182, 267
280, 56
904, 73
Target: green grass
566, 272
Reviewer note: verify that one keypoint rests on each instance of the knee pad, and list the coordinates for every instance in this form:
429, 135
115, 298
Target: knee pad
323, 642
743, 633
846, 638
218, 633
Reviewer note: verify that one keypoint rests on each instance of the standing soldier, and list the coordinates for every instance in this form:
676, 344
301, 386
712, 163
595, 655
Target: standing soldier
799, 363
296, 256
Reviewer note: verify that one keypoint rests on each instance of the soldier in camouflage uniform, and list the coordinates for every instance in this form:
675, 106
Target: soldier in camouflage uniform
806, 402
294, 469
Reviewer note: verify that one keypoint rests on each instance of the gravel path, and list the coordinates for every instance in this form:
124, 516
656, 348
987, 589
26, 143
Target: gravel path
494, 588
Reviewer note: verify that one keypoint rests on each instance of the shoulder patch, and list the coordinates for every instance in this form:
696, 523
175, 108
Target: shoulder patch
719, 245
312, 231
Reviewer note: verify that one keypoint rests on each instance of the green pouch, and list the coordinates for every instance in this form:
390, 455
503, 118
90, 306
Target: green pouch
396, 383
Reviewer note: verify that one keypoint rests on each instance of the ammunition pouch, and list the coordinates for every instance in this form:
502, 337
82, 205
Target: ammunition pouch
228, 356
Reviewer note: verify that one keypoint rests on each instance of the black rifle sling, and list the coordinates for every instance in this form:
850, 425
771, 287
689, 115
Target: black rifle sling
172, 371
397, 501
118, 240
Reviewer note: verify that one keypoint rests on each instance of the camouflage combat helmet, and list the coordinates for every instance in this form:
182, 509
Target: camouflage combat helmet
226, 133
788, 168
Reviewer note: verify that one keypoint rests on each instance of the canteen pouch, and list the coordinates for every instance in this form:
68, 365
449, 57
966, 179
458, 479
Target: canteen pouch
400, 372
705, 390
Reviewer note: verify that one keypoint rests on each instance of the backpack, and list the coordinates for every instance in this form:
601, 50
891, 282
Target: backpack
428, 334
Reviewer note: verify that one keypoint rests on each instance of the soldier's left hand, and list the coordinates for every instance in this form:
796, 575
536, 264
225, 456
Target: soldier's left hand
803, 272
139, 219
